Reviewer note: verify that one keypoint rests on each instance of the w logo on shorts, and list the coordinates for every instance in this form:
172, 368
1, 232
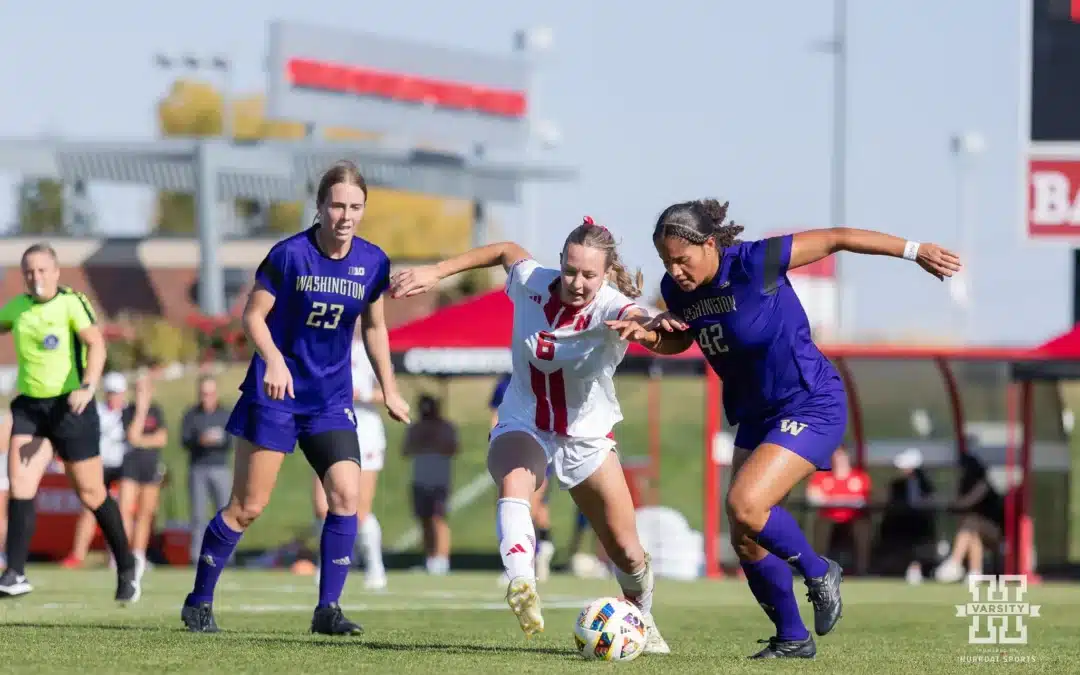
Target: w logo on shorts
792, 427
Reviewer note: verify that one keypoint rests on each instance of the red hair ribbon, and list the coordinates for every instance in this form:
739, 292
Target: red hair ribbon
592, 223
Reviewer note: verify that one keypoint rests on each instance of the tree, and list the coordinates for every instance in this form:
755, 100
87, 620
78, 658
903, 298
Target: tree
40, 207
405, 225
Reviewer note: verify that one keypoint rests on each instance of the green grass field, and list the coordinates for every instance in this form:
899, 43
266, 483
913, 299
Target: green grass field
460, 624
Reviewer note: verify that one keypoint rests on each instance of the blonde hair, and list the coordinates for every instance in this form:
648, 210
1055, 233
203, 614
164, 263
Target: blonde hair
591, 235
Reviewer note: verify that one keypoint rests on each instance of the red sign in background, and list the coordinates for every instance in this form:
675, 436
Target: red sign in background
1053, 198
360, 81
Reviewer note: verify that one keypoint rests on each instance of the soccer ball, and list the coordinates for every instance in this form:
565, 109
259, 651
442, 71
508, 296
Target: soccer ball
610, 629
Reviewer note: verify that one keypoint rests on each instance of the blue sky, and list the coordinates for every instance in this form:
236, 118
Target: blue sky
718, 98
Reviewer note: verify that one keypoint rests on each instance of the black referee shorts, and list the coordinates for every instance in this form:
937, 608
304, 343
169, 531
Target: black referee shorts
73, 437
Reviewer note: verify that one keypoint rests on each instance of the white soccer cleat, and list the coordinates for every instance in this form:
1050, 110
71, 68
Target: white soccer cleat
523, 599
654, 641
949, 572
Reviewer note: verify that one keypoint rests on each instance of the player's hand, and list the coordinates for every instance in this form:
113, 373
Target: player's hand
397, 407
632, 330
938, 261
415, 281
79, 399
278, 382
668, 322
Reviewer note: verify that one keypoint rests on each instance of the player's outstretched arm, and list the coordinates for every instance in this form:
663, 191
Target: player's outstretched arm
813, 245
662, 334
419, 280
377, 343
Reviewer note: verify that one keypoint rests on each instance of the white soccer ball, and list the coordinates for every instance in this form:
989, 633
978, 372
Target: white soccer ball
610, 629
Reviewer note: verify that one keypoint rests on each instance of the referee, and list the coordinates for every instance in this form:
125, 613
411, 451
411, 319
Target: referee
61, 354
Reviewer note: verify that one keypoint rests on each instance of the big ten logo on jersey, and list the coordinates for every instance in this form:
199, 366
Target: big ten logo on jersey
327, 314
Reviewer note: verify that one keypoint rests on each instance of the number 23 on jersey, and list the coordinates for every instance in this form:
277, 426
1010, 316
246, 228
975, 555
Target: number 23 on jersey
318, 317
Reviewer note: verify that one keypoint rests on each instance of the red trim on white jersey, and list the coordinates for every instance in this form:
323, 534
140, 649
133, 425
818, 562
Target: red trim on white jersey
623, 311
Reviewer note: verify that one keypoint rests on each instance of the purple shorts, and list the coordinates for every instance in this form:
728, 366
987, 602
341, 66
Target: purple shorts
280, 430
812, 430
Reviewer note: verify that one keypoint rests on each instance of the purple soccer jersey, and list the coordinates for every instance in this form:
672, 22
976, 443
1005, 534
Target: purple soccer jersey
317, 301
752, 329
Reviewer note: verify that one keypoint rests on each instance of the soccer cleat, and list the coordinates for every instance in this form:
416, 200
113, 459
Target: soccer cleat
13, 585
199, 618
654, 641
522, 597
824, 594
330, 620
129, 584
787, 649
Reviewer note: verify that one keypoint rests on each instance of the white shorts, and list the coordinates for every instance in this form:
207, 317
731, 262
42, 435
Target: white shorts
572, 458
372, 436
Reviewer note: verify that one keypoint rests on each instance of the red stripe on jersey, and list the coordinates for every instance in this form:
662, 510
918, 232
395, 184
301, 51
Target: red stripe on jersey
557, 385
621, 311
551, 309
539, 389
568, 315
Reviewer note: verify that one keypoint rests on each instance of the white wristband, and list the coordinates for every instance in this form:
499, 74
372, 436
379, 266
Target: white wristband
911, 250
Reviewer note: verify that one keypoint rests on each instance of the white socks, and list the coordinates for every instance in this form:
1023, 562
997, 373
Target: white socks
369, 544
517, 538
638, 587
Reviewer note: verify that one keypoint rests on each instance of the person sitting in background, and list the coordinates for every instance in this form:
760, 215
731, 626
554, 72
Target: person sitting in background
203, 435
841, 495
142, 471
982, 521
908, 532
431, 443
113, 448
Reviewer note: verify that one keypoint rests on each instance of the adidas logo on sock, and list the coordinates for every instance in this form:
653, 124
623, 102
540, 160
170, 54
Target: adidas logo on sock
342, 561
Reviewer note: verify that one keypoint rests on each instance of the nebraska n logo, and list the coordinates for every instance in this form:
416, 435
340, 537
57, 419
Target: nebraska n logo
792, 427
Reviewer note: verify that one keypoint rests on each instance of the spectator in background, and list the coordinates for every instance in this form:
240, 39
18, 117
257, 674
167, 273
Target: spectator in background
113, 448
142, 471
982, 521
431, 443
203, 435
842, 495
908, 533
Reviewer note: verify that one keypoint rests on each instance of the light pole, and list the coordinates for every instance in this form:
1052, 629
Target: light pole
220, 64
837, 47
532, 44
965, 148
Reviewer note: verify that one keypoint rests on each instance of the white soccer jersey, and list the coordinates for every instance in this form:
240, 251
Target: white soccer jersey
563, 357
369, 425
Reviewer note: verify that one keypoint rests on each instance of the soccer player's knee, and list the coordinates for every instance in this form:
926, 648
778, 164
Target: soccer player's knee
91, 496
343, 497
247, 510
745, 511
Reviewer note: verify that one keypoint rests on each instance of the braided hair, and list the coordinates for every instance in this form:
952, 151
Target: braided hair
697, 222
591, 235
